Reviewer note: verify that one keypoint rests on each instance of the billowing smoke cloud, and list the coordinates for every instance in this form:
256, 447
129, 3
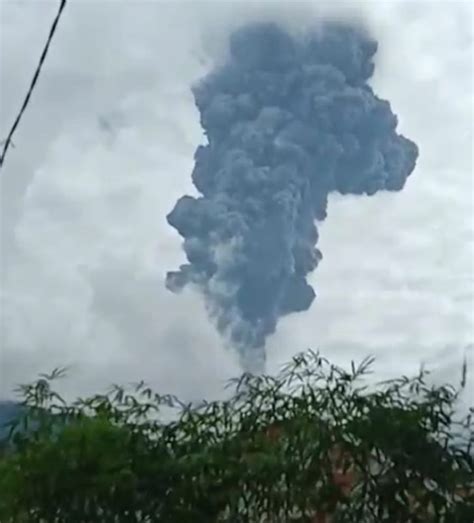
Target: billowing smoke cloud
288, 120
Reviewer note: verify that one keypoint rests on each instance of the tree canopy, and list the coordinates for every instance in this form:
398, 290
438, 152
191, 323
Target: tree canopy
315, 443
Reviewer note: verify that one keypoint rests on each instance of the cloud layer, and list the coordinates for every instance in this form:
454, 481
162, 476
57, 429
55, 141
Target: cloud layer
106, 148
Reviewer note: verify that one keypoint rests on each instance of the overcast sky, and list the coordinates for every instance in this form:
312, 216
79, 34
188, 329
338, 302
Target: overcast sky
106, 147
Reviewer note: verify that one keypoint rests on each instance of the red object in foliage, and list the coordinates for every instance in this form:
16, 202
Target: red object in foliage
273, 432
321, 518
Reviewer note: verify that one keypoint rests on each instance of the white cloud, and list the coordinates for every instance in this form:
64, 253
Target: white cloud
106, 147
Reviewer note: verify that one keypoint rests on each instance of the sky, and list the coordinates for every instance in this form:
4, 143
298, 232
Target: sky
106, 147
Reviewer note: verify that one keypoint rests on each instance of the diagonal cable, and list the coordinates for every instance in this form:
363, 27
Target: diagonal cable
8, 141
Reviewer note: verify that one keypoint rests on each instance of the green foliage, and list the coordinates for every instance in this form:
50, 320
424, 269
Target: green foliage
311, 441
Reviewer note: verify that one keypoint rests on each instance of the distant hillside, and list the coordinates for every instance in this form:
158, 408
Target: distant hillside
8, 411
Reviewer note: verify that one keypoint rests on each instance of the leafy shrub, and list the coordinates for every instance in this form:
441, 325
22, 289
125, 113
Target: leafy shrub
312, 444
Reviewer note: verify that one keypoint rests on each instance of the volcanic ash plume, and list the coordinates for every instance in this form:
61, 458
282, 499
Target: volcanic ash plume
287, 121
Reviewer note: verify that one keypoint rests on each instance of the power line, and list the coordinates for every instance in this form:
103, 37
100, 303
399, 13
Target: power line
8, 141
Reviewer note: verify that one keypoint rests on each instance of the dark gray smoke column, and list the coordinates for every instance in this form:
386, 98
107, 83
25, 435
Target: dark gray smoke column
287, 121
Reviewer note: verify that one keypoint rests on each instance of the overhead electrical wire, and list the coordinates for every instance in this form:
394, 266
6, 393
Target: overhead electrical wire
8, 141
